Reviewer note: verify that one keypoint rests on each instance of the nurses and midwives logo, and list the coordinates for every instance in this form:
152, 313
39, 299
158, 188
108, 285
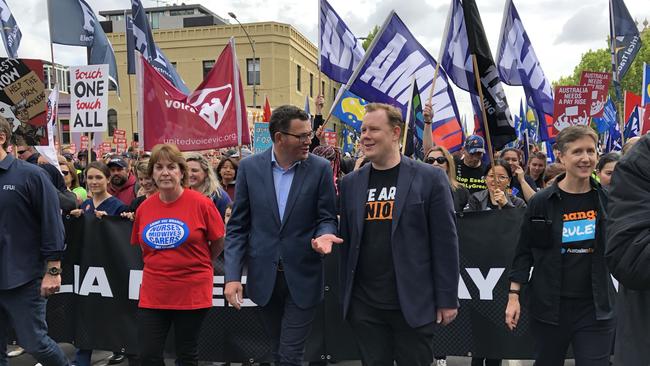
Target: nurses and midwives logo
165, 234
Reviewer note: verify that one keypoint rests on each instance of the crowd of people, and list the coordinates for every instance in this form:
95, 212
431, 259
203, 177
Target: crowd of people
393, 219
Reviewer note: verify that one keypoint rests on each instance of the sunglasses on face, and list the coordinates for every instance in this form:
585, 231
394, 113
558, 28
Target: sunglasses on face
65, 172
440, 160
20, 152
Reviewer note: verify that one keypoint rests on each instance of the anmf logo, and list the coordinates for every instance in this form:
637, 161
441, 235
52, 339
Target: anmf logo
212, 103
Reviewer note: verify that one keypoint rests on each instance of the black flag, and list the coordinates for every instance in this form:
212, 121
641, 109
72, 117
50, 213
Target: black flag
500, 123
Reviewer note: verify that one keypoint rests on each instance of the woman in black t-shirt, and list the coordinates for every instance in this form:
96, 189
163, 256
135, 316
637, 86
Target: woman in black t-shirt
439, 157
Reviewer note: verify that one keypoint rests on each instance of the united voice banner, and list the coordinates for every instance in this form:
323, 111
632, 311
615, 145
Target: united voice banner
102, 273
211, 117
599, 81
572, 106
22, 100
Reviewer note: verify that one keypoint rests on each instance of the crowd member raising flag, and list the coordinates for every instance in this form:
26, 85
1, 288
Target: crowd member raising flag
11, 34
73, 23
145, 44
499, 121
517, 64
340, 51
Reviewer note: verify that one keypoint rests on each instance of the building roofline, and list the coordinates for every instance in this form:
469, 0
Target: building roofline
202, 9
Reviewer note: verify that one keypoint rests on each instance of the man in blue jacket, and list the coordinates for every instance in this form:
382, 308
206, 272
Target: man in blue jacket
31, 243
399, 266
282, 222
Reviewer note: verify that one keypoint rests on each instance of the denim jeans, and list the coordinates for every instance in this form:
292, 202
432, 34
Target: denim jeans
24, 309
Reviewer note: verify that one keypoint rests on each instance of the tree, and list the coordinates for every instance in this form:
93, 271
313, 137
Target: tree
600, 60
366, 42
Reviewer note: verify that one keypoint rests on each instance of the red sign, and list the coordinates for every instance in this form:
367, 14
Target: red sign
631, 101
330, 138
134, 144
572, 106
213, 116
599, 81
120, 140
117, 134
120, 147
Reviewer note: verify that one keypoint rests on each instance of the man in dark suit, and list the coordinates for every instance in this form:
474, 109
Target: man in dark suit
399, 266
282, 221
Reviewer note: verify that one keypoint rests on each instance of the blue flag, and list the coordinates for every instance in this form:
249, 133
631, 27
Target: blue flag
624, 37
145, 44
307, 106
518, 64
604, 123
350, 110
130, 46
613, 141
11, 34
340, 51
633, 125
348, 141
645, 93
73, 23
524, 131
385, 73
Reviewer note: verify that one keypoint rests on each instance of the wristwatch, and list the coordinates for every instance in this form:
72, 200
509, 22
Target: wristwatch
54, 271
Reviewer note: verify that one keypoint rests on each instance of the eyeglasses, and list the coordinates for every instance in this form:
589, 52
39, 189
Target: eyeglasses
500, 178
303, 138
440, 160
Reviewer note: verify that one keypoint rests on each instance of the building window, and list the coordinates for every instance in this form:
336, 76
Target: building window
207, 66
65, 131
154, 19
173, 64
333, 93
112, 121
322, 89
181, 12
298, 81
311, 85
252, 71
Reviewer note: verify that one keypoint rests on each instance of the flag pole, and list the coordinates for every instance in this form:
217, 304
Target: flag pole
59, 133
485, 122
408, 116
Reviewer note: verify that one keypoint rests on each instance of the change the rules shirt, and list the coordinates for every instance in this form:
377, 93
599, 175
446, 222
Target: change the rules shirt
174, 238
578, 242
375, 281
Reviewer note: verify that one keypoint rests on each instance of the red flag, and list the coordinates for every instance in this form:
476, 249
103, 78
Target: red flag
631, 101
267, 110
213, 116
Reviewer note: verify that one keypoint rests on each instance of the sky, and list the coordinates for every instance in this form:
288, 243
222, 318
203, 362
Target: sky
560, 30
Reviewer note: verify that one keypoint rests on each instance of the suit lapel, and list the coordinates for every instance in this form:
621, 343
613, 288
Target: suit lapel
296, 185
360, 197
404, 180
267, 181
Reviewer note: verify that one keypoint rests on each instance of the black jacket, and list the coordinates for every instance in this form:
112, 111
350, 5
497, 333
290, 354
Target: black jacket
539, 246
628, 253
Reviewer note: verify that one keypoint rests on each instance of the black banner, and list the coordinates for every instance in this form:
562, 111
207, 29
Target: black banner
102, 272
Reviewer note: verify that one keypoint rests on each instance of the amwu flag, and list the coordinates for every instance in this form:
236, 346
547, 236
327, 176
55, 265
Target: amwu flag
385, 73
340, 51
632, 126
499, 120
73, 23
518, 64
10, 32
145, 44
213, 116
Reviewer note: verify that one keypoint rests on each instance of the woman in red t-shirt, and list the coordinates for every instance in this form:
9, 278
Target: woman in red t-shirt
180, 233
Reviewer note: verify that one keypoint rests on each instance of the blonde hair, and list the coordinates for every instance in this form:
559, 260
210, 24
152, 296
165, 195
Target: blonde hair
168, 152
451, 165
210, 185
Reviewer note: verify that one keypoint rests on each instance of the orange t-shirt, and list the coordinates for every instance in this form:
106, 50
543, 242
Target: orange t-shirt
174, 238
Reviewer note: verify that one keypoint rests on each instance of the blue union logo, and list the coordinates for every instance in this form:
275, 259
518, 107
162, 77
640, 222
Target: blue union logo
165, 234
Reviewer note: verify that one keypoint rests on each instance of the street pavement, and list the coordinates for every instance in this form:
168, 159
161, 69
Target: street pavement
100, 358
